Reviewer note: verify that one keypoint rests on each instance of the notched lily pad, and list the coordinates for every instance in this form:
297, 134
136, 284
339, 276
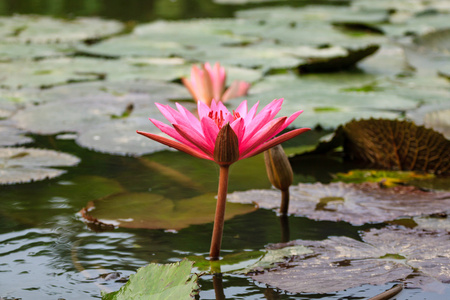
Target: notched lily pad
151, 211
354, 203
19, 165
383, 256
10, 136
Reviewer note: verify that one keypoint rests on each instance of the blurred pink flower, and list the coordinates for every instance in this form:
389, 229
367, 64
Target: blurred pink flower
208, 83
197, 136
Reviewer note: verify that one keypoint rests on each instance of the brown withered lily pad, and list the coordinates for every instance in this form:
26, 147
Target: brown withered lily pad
393, 145
397, 145
350, 202
152, 211
383, 255
18, 165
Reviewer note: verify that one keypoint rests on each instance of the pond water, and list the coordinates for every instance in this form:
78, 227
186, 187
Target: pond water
48, 252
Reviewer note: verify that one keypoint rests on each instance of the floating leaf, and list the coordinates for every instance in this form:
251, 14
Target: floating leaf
227, 263
435, 116
397, 145
51, 72
306, 26
145, 210
436, 222
385, 178
9, 52
385, 255
19, 165
11, 136
274, 257
354, 203
329, 100
41, 29
191, 33
155, 281
338, 63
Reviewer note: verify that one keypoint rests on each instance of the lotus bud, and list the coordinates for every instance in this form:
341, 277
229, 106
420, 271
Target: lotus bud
226, 149
278, 168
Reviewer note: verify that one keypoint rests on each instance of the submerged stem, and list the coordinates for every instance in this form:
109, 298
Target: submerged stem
216, 240
284, 207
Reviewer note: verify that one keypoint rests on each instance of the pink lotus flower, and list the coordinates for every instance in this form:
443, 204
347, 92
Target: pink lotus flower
197, 136
208, 83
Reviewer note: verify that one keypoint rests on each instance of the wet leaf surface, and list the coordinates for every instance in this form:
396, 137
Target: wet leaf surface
383, 255
354, 203
20, 165
151, 211
155, 281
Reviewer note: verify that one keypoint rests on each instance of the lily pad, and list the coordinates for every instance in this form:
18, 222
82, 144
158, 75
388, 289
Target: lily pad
20, 165
11, 136
354, 203
146, 210
51, 72
306, 26
437, 222
190, 33
383, 256
385, 178
95, 111
155, 281
15, 51
40, 29
428, 53
436, 117
328, 100
397, 145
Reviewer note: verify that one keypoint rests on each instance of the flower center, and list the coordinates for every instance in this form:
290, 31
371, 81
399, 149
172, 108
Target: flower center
219, 119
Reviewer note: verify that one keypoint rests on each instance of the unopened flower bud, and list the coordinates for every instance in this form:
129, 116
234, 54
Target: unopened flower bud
226, 149
278, 168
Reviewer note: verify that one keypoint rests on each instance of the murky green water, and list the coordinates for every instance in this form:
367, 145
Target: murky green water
47, 252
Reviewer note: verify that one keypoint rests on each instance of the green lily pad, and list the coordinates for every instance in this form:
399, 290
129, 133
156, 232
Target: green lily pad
40, 29
190, 33
51, 72
16, 51
20, 165
436, 117
415, 24
412, 6
354, 203
327, 100
155, 281
389, 60
306, 26
233, 262
386, 178
95, 111
11, 136
384, 255
145, 210
316, 13
136, 46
